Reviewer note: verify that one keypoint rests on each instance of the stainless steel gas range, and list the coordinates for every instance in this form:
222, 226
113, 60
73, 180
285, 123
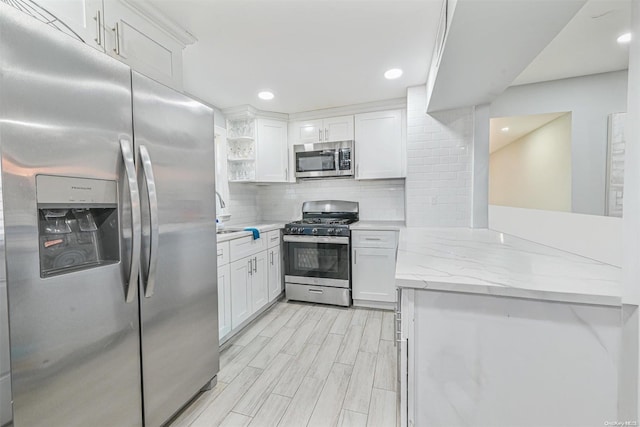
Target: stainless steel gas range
317, 253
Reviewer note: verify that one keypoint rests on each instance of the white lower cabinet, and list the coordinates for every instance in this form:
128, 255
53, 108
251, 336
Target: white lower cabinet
275, 273
259, 285
374, 273
373, 267
224, 301
241, 290
251, 280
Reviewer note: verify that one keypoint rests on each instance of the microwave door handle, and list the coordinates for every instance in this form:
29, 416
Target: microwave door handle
136, 227
337, 156
152, 194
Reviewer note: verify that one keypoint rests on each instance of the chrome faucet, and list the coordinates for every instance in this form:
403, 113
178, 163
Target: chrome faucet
222, 203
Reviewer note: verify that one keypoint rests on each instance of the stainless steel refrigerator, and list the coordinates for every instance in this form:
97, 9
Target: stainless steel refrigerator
109, 222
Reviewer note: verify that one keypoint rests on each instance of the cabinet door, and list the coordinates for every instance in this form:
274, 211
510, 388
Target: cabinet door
240, 291
275, 273
379, 148
259, 282
338, 129
373, 274
306, 132
271, 144
136, 41
224, 301
83, 17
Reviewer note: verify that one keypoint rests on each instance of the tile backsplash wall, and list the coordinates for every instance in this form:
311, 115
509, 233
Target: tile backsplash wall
379, 199
439, 164
242, 204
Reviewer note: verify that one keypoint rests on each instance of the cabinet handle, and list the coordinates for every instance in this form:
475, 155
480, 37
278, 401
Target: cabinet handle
355, 256
98, 19
255, 264
357, 171
250, 267
271, 257
116, 30
315, 291
372, 238
286, 174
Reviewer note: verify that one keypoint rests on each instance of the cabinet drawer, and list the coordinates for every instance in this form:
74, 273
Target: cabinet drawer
246, 246
222, 253
374, 239
273, 238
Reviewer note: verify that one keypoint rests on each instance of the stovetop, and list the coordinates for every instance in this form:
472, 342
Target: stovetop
325, 218
320, 227
325, 221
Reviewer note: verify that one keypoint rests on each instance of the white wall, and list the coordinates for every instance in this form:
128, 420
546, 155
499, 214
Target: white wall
590, 99
629, 373
534, 171
592, 236
439, 177
379, 199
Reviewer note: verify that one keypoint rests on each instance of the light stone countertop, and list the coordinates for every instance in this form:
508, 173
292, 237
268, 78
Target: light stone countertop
484, 261
377, 225
264, 228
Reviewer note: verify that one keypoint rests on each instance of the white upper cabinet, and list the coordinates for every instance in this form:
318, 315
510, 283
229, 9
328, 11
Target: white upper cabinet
137, 41
133, 32
306, 132
272, 161
379, 145
83, 17
337, 129
324, 130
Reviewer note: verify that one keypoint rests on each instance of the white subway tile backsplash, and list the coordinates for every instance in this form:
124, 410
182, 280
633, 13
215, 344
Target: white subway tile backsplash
242, 204
438, 184
379, 199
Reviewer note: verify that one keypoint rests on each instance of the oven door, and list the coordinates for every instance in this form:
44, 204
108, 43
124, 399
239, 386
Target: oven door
315, 260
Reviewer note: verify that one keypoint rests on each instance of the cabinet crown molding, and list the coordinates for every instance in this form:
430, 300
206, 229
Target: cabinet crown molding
249, 111
367, 107
153, 15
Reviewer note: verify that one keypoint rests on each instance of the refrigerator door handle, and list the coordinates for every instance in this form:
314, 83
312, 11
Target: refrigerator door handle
136, 227
152, 194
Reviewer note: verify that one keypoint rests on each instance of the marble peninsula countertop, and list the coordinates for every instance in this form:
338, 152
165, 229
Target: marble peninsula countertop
483, 261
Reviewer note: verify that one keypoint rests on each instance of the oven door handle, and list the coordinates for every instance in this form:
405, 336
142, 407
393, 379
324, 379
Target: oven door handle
339, 240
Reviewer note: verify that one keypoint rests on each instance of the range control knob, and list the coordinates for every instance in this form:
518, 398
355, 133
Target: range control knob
331, 231
314, 231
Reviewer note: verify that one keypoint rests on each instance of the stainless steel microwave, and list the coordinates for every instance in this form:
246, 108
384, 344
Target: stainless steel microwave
324, 159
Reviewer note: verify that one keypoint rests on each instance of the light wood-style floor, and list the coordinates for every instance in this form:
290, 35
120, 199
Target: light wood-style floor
304, 365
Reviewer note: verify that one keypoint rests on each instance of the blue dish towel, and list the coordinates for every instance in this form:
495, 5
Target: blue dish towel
255, 231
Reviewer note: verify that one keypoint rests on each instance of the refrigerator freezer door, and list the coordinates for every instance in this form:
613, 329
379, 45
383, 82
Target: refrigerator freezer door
179, 315
74, 340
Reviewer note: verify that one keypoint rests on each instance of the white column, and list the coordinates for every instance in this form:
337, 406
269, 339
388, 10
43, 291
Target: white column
480, 162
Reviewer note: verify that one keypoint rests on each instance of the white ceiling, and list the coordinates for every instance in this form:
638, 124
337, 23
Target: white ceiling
587, 45
519, 126
312, 54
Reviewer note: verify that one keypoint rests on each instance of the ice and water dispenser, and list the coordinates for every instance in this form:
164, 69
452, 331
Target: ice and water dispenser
78, 223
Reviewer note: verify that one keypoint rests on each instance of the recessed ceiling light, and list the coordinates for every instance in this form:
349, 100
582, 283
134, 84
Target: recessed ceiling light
625, 38
266, 95
393, 73
505, 129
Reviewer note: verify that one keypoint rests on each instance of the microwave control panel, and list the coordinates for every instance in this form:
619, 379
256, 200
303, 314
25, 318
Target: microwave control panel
345, 159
